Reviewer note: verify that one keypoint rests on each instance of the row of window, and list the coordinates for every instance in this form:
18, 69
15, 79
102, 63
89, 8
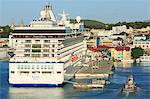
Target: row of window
35, 67
39, 45
39, 55
35, 36
38, 50
29, 41
142, 43
34, 72
145, 57
147, 46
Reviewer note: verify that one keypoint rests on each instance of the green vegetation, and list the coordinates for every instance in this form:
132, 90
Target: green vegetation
93, 24
99, 25
6, 31
134, 25
147, 51
137, 52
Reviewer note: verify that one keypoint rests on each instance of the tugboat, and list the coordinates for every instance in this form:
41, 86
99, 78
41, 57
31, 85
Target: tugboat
130, 86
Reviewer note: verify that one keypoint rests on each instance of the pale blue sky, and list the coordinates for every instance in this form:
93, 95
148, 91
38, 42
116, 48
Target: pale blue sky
107, 11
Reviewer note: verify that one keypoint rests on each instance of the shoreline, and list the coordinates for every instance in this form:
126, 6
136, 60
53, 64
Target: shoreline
4, 59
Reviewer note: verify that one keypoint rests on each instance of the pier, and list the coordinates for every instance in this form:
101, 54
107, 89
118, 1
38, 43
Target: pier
96, 69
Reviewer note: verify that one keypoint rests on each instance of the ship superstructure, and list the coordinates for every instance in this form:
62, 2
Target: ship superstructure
45, 49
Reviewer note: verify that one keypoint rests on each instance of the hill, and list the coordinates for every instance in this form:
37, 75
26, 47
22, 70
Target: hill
91, 24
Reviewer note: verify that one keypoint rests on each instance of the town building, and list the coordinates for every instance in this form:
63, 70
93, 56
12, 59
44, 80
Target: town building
116, 36
103, 32
142, 43
4, 42
119, 29
117, 42
106, 42
139, 37
121, 53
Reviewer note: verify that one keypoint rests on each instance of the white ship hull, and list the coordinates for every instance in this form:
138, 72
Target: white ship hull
36, 74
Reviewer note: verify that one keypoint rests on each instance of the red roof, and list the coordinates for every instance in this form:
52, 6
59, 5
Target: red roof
103, 46
121, 48
94, 49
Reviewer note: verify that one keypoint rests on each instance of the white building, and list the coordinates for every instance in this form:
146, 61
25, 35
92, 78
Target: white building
1, 30
139, 37
105, 33
145, 44
119, 29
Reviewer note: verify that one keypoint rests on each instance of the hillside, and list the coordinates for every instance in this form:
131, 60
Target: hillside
6, 31
91, 24
100, 25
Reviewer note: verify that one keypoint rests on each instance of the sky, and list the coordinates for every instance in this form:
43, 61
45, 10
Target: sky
107, 11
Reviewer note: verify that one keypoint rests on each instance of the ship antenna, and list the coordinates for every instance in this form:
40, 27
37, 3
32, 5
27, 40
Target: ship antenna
21, 24
12, 24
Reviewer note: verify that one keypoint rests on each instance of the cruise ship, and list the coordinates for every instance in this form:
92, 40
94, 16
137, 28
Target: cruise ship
47, 50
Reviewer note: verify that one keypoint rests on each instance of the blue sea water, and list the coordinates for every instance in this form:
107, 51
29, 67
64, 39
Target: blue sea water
140, 72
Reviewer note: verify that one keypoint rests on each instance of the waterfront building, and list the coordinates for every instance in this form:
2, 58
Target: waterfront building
121, 53
93, 54
145, 44
139, 37
117, 42
46, 50
130, 30
116, 36
144, 58
4, 42
106, 42
91, 43
144, 30
104, 32
100, 52
103, 37
139, 31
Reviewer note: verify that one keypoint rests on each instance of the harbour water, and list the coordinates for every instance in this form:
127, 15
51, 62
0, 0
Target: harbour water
140, 72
